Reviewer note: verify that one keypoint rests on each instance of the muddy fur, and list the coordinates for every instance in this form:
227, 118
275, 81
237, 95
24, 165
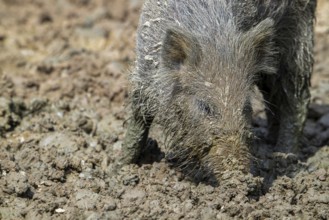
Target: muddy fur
197, 64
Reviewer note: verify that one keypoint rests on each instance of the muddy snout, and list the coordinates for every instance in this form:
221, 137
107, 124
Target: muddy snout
228, 152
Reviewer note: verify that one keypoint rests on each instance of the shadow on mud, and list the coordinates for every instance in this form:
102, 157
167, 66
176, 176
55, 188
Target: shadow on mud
267, 163
151, 153
193, 171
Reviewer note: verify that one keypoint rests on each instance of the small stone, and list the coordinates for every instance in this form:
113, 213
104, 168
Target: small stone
110, 205
60, 210
86, 124
321, 174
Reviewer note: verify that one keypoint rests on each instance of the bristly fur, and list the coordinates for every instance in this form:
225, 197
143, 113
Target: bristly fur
216, 28
197, 64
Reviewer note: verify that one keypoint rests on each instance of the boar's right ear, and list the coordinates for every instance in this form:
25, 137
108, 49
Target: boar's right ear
180, 49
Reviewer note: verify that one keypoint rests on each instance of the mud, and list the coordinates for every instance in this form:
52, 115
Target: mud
63, 85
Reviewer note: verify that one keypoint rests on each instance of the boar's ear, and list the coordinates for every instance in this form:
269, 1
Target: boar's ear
261, 39
180, 49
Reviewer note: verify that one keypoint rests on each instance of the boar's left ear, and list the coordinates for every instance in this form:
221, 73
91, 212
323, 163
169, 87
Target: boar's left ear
260, 40
180, 49
262, 32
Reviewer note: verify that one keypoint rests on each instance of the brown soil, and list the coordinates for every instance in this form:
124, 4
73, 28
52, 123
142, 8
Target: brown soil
63, 84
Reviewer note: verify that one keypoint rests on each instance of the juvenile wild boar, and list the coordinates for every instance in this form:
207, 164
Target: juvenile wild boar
197, 64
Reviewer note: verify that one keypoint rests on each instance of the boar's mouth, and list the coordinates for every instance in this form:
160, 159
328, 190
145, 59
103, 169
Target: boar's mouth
211, 157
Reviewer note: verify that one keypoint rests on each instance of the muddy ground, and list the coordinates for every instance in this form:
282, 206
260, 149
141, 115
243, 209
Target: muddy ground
63, 84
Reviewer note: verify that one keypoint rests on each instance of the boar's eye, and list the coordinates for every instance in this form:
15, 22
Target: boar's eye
205, 107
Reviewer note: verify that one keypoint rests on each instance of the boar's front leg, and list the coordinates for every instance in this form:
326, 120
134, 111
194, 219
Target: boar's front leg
137, 131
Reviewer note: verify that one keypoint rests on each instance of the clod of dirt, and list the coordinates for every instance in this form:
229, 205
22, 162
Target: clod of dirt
63, 143
11, 113
324, 120
17, 184
320, 160
86, 199
316, 111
